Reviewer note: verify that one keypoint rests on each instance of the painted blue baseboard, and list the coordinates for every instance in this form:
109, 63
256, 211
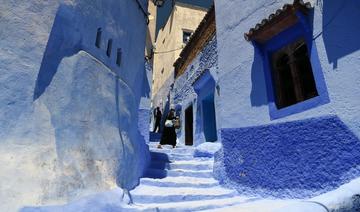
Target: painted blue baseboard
293, 159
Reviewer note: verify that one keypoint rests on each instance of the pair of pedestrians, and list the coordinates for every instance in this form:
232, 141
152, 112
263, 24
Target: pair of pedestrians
168, 136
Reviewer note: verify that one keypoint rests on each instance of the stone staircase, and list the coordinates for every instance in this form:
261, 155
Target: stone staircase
176, 181
154, 137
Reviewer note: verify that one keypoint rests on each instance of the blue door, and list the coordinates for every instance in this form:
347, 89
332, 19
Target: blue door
209, 118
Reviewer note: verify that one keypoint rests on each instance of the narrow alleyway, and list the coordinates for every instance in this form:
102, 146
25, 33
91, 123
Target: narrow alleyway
177, 181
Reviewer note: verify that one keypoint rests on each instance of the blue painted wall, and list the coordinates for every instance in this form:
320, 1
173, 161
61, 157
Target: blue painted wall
292, 159
144, 112
193, 87
328, 125
205, 90
209, 118
68, 112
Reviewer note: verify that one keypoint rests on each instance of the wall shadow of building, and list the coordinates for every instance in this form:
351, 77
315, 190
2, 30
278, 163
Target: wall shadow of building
341, 28
64, 41
258, 94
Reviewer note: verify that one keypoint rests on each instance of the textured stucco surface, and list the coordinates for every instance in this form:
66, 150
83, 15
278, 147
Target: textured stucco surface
68, 113
241, 75
244, 104
293, 159
184, 94
169, 42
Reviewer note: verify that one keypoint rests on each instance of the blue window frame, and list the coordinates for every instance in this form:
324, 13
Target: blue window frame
301, 30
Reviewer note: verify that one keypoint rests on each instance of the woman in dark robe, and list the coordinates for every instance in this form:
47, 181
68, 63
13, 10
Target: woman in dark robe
169, 135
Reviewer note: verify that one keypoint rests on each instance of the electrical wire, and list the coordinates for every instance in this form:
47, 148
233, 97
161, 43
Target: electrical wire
163, 52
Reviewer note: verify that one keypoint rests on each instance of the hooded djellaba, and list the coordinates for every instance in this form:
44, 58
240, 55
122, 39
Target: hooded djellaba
169, 135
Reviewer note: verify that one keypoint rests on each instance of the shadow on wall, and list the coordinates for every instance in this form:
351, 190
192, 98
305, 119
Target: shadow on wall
64, 41
127, 156
145, 91
341, 29
121, 181
258, 96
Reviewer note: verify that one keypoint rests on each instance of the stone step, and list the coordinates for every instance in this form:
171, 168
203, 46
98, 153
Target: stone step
169, 149
159, 165
187, 173
154, 137
154, 194
199, 205
196, 164
156, 156
155, 173
188, 165
160, 173
180, 182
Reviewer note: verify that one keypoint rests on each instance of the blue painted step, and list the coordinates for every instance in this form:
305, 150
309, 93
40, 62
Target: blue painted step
191, 165
180, 182
200, 205
169, 150
159, 173
157, 156
186, 173
155, 173
154, 194
155, 137
176, 181
159, 165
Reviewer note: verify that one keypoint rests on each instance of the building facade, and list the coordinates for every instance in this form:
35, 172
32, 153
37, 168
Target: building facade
289, 95
151, 31
71, 85
194, 92
171, 39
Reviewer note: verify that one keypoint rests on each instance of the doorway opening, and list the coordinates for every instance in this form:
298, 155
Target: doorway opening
189, 126
209, 118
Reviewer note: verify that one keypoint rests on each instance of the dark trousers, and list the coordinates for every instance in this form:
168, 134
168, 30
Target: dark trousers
157, 126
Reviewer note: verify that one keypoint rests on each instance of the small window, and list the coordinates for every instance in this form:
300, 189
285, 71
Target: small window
162, 70
292, 74
118, 57
186, 36
109, 46
98, 38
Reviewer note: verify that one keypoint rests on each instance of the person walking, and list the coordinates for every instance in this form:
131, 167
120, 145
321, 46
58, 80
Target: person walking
157, 118
169, 135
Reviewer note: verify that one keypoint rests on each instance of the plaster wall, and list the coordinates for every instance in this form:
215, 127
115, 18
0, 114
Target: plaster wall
334, 51
184, 93
242, 76
169, 44
145, 113
68, 112
151, 31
